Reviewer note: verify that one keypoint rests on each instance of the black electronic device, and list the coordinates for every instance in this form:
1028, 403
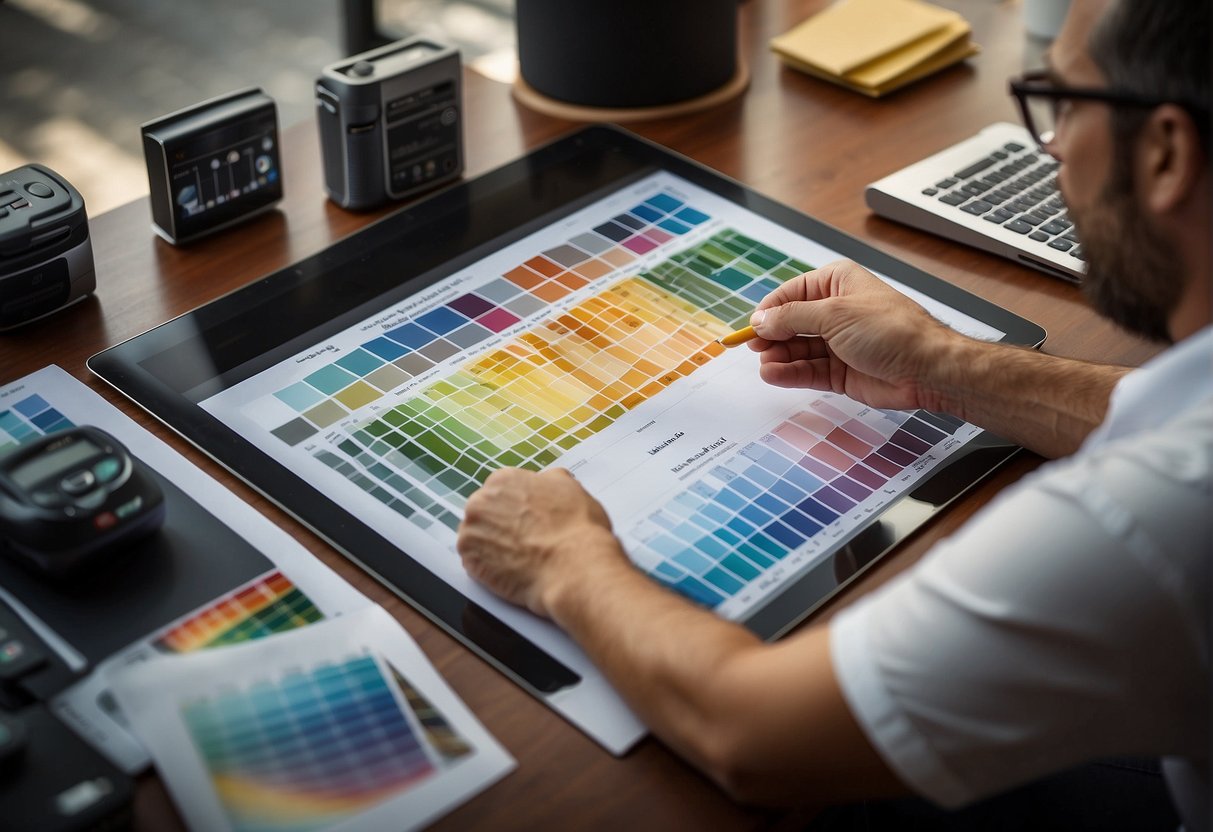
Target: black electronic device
12, 740
46, 256
213, 164
69, 498
390, 122
53, 781
50, 779
175, 369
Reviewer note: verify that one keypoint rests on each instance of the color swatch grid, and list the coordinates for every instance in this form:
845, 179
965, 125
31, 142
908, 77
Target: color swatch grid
307, 750
438, 730
27, 419
566, 379
268, 605
368, 372
750, 512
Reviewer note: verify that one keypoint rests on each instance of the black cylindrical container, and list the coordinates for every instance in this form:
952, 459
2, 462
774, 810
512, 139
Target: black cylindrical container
626, 53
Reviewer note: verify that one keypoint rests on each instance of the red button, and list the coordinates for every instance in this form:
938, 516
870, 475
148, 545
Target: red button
105, 520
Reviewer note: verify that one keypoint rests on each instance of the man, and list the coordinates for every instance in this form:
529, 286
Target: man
1068, 621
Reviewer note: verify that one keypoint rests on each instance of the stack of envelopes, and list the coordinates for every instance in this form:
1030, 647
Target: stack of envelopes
876, 46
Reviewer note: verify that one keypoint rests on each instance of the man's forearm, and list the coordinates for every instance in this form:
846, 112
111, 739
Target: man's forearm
1045, 403
767, 722
656, 649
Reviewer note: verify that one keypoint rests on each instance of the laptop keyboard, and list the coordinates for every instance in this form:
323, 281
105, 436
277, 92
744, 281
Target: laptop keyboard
1015, 187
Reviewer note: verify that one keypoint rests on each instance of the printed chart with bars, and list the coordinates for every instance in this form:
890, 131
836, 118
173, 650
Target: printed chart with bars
754, 509
548, 387
268, 605
315, 746
28, 418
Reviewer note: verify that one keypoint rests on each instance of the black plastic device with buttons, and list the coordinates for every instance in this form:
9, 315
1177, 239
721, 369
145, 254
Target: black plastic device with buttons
390, 122
46, 256
213, 164
71, 498
50, 779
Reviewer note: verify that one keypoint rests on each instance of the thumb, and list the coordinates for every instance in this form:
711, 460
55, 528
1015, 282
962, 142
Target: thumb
779, 323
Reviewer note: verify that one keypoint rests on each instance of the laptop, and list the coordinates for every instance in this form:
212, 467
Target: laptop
996, 191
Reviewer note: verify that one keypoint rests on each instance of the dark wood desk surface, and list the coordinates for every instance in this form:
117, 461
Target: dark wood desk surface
796, 139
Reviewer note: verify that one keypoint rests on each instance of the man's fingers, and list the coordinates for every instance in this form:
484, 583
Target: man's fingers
816, 284
808, 374
781, 323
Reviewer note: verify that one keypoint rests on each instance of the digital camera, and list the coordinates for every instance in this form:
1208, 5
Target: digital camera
390, 123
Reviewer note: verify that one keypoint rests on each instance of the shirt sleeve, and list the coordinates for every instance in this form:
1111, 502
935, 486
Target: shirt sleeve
1063, 623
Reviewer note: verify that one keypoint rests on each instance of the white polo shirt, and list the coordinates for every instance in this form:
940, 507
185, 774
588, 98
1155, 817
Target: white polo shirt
1068, 620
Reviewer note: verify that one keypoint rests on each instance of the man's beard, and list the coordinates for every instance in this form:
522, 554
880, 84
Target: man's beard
1133, 276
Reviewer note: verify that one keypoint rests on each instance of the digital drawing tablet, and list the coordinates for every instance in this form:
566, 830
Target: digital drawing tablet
564, 310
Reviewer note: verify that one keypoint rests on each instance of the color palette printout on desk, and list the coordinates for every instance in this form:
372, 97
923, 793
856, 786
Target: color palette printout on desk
438, 755
592, 344
341, 726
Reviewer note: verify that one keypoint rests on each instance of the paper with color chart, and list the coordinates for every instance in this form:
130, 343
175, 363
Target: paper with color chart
269, 604
591, 344
341, 725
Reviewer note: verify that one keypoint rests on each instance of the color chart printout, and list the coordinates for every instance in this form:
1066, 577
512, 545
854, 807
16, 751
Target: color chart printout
271, 604
267, 605
592, 344
340, 726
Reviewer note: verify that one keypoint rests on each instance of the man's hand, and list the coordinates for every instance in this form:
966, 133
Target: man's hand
527, 535
867, 341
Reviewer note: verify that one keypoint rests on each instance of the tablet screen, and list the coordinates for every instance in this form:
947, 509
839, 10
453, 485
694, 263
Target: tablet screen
591, 344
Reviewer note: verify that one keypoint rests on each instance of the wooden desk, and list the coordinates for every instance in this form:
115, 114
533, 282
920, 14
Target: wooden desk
799, 140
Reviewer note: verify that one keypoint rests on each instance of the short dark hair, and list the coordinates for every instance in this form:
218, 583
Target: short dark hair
1156, 48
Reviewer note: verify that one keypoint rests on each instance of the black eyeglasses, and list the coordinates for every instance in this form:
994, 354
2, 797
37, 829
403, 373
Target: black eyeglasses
1040, 102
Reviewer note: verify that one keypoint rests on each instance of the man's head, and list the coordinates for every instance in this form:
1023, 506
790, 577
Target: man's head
1135, 177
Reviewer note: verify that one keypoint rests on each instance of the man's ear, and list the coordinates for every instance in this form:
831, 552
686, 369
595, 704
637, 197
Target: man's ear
1170, 159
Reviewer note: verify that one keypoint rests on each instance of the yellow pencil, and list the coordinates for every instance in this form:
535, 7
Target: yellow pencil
739, 337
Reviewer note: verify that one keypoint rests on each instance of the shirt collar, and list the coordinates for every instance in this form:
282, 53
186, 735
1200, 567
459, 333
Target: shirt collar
1172, 382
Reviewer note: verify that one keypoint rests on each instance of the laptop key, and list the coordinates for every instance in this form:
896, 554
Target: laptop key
1018, 226
1039, 236
1030, 219
954, 198
974, 188
977, 207
1014, 147
1055, 227
1061, 244
1078, 253
929, 191
946, 183
976, 167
